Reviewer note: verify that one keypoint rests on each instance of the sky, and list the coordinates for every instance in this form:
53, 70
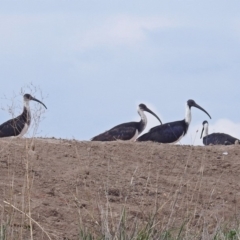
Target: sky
93, 62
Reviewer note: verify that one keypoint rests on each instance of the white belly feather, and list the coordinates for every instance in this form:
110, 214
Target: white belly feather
26, 126
135, 136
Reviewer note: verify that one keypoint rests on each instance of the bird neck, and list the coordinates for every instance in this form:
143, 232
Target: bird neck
188, 115
143, 121
26, 112
205, 131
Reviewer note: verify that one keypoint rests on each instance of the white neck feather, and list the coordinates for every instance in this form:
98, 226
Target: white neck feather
188, 115
143, 117
26, 105
205, 131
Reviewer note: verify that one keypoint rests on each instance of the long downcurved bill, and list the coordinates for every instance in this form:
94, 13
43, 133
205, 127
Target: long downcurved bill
148, 110
197, 106
36, 100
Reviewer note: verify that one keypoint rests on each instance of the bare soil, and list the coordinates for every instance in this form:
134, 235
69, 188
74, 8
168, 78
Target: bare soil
69, 186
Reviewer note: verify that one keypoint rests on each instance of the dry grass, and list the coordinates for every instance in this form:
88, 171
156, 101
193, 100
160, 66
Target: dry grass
9, 209
176, 216
144, 198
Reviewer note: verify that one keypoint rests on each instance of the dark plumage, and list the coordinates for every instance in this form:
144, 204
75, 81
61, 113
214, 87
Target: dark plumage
127, 131
167, 133
18, 126
173, 131
216, 138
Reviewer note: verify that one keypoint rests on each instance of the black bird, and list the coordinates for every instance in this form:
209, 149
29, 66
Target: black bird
216, 138
171, 132
127, 131
18, 126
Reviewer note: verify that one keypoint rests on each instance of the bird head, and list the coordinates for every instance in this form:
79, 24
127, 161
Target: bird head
27, 97
143, 107
192, 103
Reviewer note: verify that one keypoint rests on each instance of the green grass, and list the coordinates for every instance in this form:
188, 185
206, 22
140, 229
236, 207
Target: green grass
3, 232
165, 235
136, 230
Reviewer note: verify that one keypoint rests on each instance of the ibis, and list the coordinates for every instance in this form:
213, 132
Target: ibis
216, 138
129, 130
172, 132
18, 126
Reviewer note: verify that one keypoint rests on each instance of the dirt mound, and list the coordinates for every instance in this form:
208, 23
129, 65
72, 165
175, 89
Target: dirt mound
65, 186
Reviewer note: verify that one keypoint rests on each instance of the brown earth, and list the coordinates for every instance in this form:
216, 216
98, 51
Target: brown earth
72, 185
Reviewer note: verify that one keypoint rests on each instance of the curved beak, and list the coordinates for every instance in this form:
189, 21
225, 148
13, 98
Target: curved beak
202, 132
148, 110
197, 106
36, 100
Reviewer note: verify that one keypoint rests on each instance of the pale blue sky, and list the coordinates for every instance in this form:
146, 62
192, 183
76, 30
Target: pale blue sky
95, 61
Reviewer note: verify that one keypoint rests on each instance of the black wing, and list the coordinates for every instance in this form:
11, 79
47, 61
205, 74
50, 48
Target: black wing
166, 133
11, 127
219, 139
125, 131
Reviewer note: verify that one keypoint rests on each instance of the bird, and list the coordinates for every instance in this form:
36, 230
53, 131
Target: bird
18, 126
216, 138
171, 132
129, 130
